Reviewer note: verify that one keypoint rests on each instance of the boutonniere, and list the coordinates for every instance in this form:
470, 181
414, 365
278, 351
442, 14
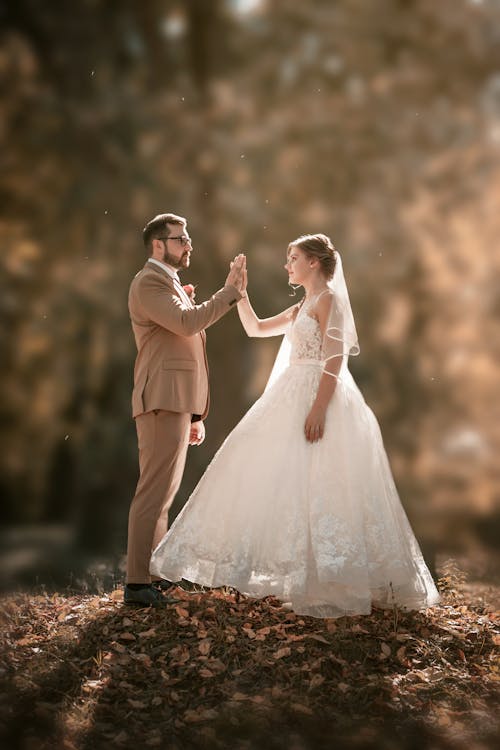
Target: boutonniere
190, 291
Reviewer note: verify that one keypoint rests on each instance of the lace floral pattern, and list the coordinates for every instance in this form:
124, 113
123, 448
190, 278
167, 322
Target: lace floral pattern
318, 525
305, 335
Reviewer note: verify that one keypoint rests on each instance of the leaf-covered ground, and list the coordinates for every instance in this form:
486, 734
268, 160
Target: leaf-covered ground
217, 670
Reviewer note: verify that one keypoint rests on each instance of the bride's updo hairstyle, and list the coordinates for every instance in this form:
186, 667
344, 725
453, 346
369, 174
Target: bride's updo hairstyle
317, 246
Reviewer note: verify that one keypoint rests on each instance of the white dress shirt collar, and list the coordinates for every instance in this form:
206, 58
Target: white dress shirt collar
168, 269
173, 275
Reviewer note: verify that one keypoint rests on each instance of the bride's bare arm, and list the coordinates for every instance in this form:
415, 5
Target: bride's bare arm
315, 423
255, 326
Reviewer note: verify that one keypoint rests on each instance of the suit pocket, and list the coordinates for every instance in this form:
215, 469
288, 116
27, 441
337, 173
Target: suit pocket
179, 364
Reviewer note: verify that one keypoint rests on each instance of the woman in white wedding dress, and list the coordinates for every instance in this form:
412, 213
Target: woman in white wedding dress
299, 501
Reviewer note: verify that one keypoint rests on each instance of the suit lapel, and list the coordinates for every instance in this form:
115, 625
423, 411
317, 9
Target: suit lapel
172, 281
182, 292
178, 289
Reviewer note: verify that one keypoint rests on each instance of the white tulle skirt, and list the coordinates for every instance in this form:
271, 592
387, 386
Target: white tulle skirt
320, 526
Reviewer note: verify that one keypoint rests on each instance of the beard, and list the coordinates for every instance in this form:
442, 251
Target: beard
177, 263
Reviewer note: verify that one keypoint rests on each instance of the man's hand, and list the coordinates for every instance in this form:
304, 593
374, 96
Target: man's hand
197, 433
237, 273
315, 424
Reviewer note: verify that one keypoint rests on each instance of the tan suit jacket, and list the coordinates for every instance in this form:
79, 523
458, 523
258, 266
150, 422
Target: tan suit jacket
171, 369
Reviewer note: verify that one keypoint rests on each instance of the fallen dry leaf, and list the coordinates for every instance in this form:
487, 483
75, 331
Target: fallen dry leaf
204, 647
282, 652
147, 633
136, 704
126, 636
316, 681
301, 709
206, 673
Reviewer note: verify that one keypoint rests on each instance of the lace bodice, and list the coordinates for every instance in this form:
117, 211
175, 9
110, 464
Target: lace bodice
305, 334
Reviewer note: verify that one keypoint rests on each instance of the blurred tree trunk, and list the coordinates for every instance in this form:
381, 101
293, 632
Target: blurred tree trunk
208, 52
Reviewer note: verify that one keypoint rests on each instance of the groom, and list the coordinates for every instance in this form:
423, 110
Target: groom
171, 393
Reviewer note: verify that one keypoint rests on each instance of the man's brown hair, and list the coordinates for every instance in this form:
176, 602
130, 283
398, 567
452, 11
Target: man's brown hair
158, 227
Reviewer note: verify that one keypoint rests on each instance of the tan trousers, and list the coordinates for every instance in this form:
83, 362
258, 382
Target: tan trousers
163, 438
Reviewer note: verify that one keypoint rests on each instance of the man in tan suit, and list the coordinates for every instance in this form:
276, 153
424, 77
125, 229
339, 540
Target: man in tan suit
171, 392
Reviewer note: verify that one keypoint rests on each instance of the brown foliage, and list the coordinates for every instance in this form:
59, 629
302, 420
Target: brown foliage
217, 670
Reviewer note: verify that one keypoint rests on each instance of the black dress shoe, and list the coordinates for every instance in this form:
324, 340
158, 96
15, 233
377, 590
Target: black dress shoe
163, 584
145, 597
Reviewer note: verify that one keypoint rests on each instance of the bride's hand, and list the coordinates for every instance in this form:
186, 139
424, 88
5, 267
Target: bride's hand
243, 290
315, 424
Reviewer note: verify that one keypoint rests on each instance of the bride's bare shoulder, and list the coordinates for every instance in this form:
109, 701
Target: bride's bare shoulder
323, 304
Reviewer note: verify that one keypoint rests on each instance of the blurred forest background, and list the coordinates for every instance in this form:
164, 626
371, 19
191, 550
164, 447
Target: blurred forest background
374, 121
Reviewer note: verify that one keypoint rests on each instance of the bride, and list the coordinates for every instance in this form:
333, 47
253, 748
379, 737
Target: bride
299, 501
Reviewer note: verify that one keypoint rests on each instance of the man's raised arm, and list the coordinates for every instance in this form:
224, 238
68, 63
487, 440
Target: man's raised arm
168, 311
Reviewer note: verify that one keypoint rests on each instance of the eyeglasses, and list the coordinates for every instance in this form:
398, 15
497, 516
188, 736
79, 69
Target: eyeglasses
182, 239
